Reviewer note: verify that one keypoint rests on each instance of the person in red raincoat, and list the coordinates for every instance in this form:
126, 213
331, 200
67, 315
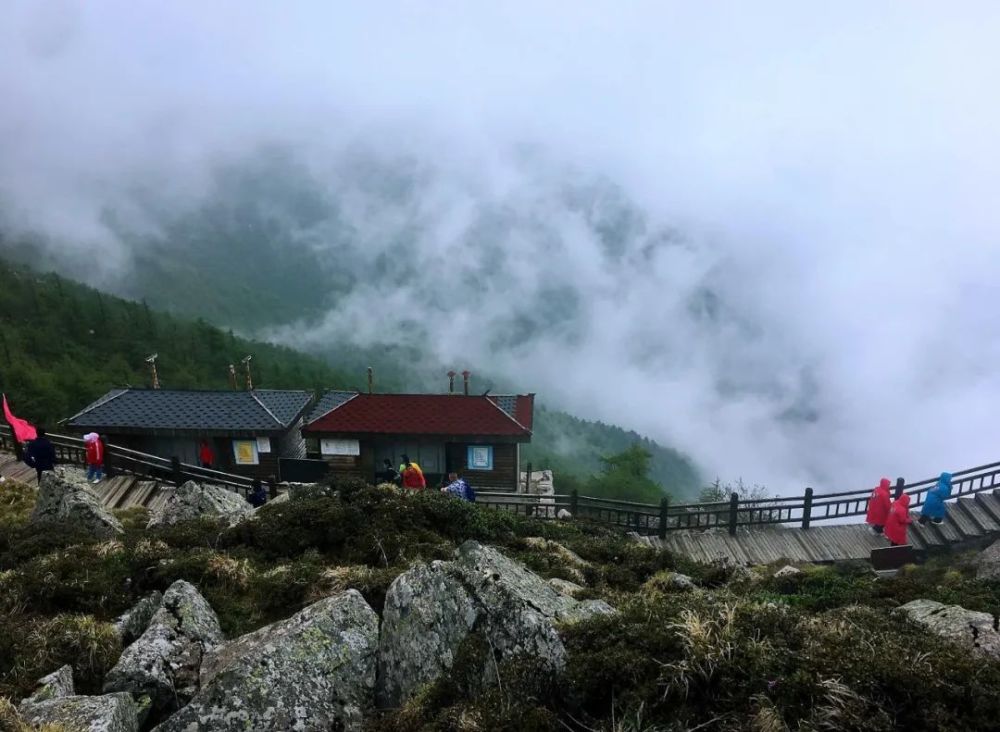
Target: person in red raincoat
897, 521
878, 506
206, 454
95, 456
413, 476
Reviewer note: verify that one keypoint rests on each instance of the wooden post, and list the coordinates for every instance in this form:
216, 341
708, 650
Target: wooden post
272, 489
664, 507
527, 480
109, 469
900, 485
254, 487
175, 471
807, 504
734, 507
574, 502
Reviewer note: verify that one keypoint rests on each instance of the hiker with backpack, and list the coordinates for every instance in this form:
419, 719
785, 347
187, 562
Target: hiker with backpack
459, 488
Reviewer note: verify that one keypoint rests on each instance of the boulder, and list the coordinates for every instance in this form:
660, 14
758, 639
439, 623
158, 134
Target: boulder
108, 713
988, 563
192, 501
133, 624
667, 581
564, 515
431, 610
314, 671
57, 685
165, 662
787, 571
65, 495
968, 628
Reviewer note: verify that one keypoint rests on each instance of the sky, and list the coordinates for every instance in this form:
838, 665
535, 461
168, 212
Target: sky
808, 297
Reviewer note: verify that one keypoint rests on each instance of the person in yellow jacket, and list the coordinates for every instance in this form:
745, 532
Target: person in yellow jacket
413, 476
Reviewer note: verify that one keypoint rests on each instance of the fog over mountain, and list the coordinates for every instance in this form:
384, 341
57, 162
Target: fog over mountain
762, 234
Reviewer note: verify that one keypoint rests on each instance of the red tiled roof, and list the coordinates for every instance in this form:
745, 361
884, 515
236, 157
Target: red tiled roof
425, 414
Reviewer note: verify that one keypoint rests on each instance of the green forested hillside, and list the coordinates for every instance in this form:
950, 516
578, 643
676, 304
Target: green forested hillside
63, 344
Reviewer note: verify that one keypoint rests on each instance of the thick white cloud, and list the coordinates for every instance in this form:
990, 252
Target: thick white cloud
830, 171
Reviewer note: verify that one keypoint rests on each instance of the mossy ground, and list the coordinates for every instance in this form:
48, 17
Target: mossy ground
819, 650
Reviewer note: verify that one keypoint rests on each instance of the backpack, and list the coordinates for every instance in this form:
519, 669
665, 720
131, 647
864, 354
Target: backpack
470, 495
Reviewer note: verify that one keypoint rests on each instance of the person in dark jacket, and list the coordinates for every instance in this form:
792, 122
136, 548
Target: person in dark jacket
41, 455
389, 474
259, 496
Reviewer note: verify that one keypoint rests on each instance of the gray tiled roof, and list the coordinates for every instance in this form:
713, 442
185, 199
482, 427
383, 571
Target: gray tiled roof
330, 400
223, 411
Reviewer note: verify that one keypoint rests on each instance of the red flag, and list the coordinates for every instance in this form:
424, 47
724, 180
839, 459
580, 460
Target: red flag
22, 430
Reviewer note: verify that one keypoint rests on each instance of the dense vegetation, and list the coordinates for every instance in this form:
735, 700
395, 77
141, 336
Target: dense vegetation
745, 650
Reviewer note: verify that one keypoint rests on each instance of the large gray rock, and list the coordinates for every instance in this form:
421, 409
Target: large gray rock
314, 671
788, 571
968, 628
65, 495
988, 563
133, 624
165, 662
192, 501
108, 713
57, 685
432, 609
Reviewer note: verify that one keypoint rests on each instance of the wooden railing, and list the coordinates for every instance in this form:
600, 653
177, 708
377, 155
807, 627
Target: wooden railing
802, 511
643, 518
117, 459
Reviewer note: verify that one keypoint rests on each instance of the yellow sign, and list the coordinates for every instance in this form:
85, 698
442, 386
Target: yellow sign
245, 452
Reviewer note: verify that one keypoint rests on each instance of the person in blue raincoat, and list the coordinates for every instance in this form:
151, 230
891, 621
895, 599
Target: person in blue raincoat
934, 508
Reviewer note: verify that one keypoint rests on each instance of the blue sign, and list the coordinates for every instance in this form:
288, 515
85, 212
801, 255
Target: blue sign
480, 457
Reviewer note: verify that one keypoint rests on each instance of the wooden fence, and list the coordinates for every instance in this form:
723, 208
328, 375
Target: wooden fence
643, 518
117, 459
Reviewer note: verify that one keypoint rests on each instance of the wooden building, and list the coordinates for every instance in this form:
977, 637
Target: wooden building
248, 430
477, 436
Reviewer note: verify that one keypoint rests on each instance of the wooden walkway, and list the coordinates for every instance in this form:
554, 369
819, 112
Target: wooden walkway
970, 519
123, 491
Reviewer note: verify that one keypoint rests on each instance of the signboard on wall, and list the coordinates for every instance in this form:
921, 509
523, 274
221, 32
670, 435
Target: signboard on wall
339, 447
263, 444
245, 452
480, 457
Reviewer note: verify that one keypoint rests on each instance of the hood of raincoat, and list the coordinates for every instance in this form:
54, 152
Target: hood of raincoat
90, 437
945, 480
884, 485
904, 500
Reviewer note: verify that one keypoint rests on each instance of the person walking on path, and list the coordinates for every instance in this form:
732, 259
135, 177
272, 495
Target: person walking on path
897, 521
413, 476
934, 508
41, 455
459, 488
878, 506
206, 455
95, 457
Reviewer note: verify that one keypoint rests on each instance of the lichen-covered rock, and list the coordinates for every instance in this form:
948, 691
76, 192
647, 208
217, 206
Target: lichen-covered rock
57, 685
564, 515
192, 501
573, 562
65, 495
165, 662
988, 563
968, 628
108, 713
431, 609
787, 571
133, 624
667, 581
427, 615
314, 671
